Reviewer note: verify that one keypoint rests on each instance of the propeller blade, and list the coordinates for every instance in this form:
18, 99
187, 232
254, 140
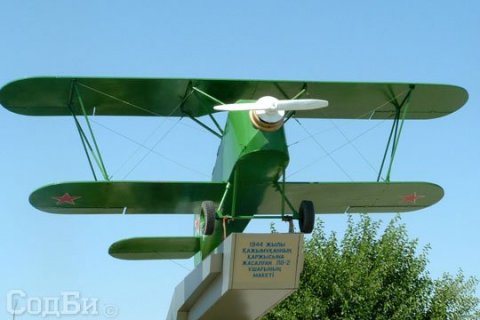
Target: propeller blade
301, 104
238, 107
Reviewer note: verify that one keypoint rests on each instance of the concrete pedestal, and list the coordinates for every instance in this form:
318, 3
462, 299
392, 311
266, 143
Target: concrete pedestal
243, 278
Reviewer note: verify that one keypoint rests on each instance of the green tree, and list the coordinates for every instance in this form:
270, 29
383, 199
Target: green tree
371, 276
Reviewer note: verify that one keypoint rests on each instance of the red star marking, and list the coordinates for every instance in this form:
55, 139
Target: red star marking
412, 198
66, 199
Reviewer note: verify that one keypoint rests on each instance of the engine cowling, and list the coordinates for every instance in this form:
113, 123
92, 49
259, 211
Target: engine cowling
265, 124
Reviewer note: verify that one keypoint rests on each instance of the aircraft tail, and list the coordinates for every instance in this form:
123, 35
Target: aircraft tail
155, 248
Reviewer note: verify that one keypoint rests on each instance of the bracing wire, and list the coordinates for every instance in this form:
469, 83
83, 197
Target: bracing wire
139, 144
349, 141
180, 265
119, 100
137, 107
137, 150
151, 150
336, 149
327, 154
362, 116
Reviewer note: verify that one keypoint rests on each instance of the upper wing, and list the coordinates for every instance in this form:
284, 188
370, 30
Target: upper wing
178, 97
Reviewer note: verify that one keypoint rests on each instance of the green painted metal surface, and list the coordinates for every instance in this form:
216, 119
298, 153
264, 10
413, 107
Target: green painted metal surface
155, 248
251, 161
356, 197
151, 197
124, 197
177, 97
240, 142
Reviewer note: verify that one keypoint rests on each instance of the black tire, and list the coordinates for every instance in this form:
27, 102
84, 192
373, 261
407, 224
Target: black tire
306, 216
208, 217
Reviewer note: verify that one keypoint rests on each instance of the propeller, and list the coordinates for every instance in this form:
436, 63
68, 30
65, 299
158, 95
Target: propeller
273, 104
272, 110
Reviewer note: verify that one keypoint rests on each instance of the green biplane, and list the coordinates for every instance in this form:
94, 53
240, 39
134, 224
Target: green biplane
248, 179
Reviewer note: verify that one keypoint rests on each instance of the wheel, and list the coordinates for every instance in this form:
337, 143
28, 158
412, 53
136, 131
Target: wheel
306, 216
208, 217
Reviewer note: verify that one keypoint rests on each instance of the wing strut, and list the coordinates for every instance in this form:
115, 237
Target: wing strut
95, 153
194, 89
397, 126
209, 111
282, 189
298, 95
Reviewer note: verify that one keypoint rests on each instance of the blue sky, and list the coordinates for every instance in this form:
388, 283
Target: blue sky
408, 41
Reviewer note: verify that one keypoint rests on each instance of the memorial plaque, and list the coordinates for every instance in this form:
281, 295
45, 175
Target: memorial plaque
267, 261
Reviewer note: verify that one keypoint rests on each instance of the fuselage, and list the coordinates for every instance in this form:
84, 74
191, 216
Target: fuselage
250, 160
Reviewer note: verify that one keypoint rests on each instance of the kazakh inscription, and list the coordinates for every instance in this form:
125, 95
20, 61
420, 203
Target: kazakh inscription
268, 260
264, 259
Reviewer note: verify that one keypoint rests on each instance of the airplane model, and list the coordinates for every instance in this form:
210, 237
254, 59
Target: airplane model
248, 180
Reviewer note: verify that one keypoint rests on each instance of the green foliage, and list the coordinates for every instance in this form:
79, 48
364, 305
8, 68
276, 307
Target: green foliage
371, 276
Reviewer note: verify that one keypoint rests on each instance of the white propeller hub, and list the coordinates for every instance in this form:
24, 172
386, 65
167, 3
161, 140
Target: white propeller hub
270, 116
267, 103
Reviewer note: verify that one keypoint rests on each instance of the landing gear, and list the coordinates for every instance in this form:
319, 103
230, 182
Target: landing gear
208, 217
306, 216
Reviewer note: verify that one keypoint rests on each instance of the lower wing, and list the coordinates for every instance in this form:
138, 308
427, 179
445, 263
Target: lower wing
186, 197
